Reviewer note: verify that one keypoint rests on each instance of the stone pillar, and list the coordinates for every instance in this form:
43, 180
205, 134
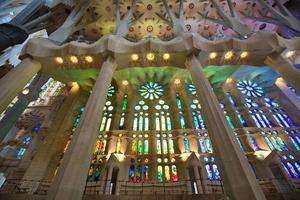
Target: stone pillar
11, 117
239, 180
49, 148
286, 69
282, 85
15, 80
70, 180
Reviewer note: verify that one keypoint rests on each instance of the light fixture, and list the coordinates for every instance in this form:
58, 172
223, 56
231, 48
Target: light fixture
244, 54
59, 60
125, 82
213, 55
25, 91
177, 81
89, 59
166, 56
228, 55
134, 57
74, 59
150, 56
290, 54
229, 80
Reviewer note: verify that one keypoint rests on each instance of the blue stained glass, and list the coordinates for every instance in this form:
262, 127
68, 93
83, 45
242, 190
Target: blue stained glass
294, 143
186, 145
249, 88
196, 123
182, 122
292, 170
269, 143
202, 145
209, 172
253, 142
230, 98
216, 172
286, 170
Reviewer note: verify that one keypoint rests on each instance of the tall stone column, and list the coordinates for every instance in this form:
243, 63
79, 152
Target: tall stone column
15, 80
239, 180
70, 180
286, 69
14, 113
282, 85
51, 147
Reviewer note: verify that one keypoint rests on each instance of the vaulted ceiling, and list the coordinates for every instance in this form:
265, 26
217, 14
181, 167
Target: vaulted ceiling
151, 19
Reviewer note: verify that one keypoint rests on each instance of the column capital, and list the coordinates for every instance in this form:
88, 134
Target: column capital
286, 68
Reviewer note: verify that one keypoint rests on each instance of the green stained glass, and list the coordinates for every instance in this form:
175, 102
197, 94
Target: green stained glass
124, 103
191, 88
178, 101
146, 147
229, 120
159, 173
140, 147
111, 91
182, 122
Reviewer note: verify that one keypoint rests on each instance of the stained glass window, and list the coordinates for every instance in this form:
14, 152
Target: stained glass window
291, 166
186, 143
179, 106
138, 171
279, 115
239, 142
197, 115
139, 144
124, 108
164, 143
257, 115
107, 116
249, 88
162, 116
159, 173
151, 90
166, 170
253, 141
100, 144
111, 91
211, 169
204, 143
191, 88
141, 117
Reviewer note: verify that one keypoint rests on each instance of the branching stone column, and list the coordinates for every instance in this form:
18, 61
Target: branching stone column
69, 183
239, 180
15, 80
286, 69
